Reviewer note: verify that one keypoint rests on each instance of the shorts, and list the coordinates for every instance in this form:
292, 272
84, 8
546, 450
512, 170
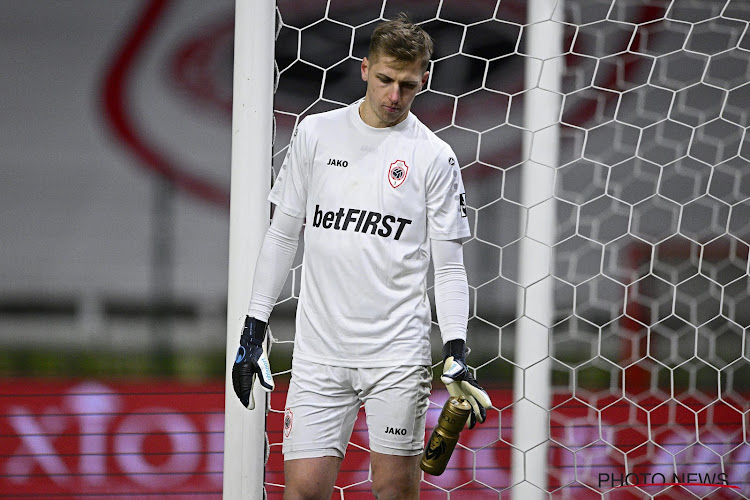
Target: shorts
323, 402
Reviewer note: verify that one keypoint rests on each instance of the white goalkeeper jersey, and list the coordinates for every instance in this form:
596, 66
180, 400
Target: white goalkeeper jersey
372, 199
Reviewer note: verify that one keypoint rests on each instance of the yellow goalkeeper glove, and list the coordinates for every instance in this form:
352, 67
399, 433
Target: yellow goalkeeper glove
461, 383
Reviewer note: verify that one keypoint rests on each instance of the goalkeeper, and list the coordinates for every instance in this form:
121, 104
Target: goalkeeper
381, 195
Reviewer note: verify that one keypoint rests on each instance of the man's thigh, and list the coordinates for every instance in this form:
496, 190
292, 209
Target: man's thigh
396, 401
320, 411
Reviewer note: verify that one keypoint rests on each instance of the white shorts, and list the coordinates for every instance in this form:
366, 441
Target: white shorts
323, 401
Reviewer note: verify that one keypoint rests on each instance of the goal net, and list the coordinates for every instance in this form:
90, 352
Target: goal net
603, 147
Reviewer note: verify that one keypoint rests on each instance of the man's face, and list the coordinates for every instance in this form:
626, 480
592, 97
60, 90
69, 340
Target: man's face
391, 88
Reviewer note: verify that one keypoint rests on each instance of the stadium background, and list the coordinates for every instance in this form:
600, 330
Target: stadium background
114, 229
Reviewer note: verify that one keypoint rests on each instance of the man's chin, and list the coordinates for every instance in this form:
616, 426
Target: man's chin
393, 118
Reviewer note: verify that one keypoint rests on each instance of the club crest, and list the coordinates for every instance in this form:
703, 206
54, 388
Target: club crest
397, 173
288, 420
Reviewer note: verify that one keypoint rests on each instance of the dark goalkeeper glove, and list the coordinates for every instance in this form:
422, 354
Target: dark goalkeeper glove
461, 383
251, 361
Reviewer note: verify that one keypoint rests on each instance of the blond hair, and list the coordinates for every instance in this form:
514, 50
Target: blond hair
402, 40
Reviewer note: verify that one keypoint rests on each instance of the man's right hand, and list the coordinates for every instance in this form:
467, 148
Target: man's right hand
251, 361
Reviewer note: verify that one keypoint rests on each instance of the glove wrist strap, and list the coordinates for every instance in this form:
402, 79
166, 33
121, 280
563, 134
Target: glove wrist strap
455, 348
254, 331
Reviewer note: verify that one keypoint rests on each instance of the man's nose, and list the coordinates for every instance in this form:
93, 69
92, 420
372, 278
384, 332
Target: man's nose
393, 93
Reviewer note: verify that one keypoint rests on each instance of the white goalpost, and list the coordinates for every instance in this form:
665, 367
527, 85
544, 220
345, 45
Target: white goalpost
252, 136
535, 303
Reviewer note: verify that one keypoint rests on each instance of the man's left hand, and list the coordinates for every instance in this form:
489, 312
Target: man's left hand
461, 383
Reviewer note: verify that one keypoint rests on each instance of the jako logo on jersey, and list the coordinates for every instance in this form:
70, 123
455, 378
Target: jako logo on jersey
337, 163
393, 430
397, 173
363, 221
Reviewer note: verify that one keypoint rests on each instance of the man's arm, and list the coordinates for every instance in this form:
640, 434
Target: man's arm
452, 304
451, 288
274, 262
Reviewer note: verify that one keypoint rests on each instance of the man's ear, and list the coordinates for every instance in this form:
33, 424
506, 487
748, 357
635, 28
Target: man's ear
425, 77
364, 68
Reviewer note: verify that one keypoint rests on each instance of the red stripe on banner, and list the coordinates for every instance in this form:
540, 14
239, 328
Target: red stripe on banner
156, 437
125, 438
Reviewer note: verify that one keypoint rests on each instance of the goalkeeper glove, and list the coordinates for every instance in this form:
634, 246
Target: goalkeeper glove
251, 361
461, 383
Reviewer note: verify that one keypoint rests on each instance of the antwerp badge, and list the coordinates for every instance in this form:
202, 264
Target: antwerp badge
288, 421
397, 173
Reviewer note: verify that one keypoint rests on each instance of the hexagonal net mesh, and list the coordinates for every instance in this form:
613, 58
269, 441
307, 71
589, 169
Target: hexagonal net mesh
643, 346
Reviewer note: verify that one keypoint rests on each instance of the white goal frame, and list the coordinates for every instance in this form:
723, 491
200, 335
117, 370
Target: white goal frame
608, 263
252, 139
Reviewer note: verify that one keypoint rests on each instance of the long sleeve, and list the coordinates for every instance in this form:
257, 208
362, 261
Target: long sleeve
274, 262
451, 288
